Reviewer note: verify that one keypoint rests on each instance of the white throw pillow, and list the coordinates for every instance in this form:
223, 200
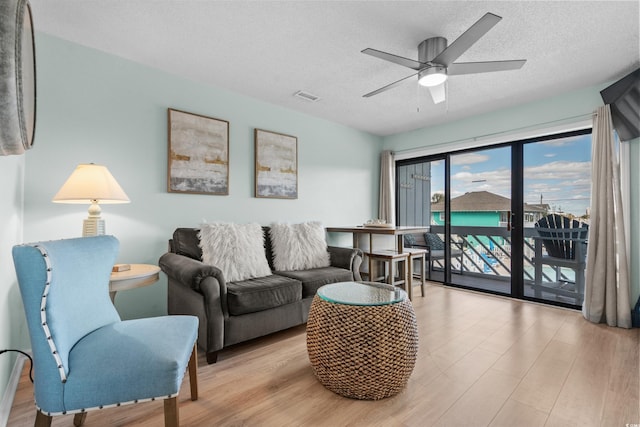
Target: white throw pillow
298, 246
236, 249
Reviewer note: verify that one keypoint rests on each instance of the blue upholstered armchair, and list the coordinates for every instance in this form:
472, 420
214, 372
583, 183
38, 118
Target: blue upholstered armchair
85, 357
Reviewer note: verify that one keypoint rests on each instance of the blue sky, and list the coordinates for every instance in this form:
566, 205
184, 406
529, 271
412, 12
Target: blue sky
559, 170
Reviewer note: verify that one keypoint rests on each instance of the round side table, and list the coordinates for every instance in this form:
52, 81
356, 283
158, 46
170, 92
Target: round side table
138, 276
362, 339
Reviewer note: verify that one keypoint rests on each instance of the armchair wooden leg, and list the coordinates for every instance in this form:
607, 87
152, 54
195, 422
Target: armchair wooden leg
78, 419
171, 415
42, 420
193, 372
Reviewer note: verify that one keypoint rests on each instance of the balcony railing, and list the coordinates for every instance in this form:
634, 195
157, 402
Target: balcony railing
486, 255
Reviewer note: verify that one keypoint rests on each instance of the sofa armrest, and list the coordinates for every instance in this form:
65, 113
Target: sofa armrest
197, 289
347, 258
190, 272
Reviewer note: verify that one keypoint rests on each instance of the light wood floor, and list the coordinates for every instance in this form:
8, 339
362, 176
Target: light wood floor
483, 361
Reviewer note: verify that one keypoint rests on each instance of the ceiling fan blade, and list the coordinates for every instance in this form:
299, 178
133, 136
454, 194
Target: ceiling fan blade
438, 93
389, 86
467, 39
484, 67
405, 62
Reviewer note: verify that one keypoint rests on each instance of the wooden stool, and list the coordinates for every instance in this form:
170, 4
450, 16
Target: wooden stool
392, 259
419, 256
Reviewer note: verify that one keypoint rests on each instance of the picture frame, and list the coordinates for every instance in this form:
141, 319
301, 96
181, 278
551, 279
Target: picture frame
276, 165
198, 157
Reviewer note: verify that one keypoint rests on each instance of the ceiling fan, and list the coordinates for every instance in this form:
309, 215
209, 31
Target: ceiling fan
435, 59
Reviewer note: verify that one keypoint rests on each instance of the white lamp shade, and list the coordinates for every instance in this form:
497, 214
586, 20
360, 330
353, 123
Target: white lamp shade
88, 183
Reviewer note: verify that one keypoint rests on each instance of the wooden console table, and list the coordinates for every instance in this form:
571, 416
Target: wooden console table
398, 231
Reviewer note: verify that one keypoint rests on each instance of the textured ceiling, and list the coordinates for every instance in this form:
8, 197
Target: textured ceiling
271, 49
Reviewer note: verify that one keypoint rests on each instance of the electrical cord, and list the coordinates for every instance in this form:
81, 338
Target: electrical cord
25, 354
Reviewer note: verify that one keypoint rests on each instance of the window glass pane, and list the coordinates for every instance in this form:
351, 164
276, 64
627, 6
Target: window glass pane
557, 196
418, 185
480, 219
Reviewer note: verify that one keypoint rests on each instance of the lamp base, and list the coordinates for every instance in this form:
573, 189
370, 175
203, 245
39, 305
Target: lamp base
93, 227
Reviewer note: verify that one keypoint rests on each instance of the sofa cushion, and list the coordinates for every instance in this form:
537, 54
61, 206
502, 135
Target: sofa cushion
262, 293
236, 249
299, 246
316, 277
186, 242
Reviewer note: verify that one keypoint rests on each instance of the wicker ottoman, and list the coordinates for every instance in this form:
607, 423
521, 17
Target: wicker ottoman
362, 339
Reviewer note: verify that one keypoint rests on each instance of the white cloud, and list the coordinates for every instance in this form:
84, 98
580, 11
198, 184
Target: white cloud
468, 159
559, 170
466, 176
561, 142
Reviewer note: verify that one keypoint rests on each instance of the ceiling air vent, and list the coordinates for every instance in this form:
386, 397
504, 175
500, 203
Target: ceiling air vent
306, 96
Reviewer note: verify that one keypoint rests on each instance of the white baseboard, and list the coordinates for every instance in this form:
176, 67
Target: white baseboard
10, 392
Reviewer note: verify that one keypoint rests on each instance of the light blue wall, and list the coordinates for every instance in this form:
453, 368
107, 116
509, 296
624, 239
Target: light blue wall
527, 116
94, 107
550, 110
12, 322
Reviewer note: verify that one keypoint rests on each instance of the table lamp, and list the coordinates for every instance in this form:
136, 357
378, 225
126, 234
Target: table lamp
91, 184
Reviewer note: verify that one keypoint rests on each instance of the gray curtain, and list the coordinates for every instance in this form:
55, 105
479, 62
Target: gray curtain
387, 203
607, 297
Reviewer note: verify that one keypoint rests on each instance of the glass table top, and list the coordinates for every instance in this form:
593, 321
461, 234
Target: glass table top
361, 293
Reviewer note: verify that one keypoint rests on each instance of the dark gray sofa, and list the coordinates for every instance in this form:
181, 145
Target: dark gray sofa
234, 312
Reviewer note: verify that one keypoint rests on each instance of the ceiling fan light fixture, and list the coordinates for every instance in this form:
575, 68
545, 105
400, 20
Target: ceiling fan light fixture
433, 76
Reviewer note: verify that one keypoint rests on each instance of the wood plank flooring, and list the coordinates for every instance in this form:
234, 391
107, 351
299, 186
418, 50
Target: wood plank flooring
483, 361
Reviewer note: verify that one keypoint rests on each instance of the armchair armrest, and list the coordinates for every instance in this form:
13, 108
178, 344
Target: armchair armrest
347, 258
568, 239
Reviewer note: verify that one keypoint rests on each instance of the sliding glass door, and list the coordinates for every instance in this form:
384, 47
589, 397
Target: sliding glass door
481, 219
489, 209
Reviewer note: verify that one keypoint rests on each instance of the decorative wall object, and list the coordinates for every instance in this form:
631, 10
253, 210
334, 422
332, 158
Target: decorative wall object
17, 77
276, 172
198, 154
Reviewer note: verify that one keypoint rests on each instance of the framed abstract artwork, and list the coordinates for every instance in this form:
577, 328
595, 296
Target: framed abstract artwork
198, 154
276, 158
